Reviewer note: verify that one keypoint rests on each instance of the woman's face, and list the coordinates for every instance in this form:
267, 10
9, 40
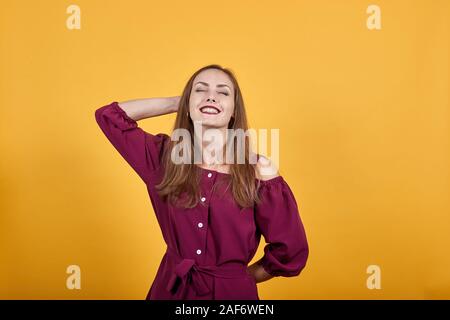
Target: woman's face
213, 88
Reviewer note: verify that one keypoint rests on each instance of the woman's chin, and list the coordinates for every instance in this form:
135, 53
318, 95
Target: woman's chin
210, 123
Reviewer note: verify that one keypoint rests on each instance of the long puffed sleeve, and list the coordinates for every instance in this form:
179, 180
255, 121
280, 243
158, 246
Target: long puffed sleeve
277, 217
142, 150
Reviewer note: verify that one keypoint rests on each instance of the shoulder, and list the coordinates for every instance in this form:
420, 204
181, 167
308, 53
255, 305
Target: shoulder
265, 169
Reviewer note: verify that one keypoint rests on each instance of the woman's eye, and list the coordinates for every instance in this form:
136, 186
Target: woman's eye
224, 93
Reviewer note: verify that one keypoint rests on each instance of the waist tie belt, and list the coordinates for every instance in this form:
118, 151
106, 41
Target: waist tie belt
189, 272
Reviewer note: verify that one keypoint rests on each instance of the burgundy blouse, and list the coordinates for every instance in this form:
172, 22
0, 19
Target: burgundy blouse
210, 246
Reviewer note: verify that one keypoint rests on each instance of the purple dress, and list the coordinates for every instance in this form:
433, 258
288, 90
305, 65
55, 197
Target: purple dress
210, 246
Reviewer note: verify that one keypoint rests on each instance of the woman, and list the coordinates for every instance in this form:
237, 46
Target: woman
211, 213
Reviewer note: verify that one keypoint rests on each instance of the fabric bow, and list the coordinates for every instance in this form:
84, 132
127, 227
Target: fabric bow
188, 272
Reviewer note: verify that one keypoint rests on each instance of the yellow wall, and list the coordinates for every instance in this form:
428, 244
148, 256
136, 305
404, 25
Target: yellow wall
364, 128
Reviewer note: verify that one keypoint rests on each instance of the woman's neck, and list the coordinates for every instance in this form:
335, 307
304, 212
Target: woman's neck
214, 143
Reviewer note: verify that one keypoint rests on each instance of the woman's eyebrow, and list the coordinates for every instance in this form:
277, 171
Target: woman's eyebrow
219, 85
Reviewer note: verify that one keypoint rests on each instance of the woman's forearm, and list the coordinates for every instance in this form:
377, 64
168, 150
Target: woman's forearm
138, 109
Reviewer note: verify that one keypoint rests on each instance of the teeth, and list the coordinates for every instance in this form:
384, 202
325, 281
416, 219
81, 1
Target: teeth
209, 110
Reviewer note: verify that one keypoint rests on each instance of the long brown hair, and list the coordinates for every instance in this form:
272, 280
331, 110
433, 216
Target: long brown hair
184, 178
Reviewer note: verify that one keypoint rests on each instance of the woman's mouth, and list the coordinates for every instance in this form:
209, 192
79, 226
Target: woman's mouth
209, 110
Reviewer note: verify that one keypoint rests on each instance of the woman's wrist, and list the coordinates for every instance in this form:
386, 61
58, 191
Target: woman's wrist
258, 272
175, 101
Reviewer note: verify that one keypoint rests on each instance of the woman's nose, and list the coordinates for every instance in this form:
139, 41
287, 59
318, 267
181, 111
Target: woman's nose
211, 97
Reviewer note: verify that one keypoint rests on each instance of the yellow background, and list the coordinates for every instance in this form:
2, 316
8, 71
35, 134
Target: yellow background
364, 129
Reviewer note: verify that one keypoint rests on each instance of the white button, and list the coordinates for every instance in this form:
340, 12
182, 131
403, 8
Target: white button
209, 175
203, 199
199, 251
200, 224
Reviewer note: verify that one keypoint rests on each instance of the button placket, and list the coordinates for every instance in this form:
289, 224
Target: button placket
206, 194
202, 224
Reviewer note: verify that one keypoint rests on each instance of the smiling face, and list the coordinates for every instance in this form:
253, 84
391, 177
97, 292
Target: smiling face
212, 99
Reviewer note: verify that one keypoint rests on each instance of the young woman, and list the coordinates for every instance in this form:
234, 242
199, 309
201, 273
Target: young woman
212, 213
